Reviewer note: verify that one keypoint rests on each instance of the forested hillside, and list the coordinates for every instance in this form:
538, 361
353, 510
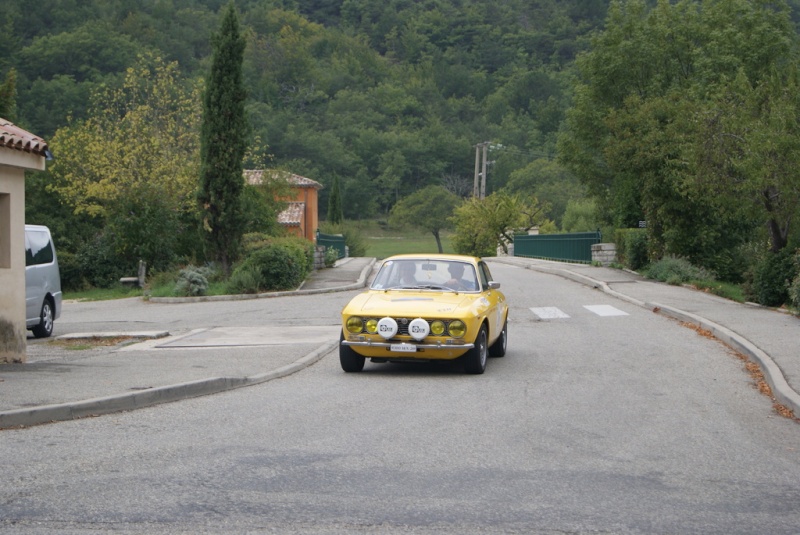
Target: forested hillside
681, 114
391, 96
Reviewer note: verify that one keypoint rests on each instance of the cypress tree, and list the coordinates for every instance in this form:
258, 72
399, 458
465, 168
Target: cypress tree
335, 209
223, 143
8, 96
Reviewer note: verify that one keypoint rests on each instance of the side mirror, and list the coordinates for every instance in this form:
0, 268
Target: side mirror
494, 285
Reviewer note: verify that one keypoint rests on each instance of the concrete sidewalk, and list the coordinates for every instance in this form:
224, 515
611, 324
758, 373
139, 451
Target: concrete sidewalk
123, 377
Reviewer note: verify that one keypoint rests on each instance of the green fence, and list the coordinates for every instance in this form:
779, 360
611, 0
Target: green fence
574, 247
332, 240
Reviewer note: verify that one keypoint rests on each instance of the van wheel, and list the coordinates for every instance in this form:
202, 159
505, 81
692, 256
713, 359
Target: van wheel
45, 327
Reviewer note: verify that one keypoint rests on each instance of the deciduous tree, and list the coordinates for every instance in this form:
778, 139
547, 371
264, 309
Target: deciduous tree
429, 209
132, 165
484, 225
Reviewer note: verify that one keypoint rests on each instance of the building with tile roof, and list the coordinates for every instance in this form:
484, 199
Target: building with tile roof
19, 151
301, 216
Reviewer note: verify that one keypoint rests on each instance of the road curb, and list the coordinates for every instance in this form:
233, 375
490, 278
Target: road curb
781, 390
362, 280
152, 396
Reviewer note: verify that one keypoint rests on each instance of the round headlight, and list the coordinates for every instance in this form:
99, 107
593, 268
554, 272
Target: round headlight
437, 328
418, 329
354, 324
372, 325
457, 328
387, 327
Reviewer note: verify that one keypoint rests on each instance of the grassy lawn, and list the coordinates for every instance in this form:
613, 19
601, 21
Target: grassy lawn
382, 243
103, 294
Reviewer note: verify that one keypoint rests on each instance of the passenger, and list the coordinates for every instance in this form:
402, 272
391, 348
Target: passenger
408, 274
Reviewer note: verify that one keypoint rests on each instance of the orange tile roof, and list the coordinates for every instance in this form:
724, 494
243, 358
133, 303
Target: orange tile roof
292, 215
257, 176
14, 137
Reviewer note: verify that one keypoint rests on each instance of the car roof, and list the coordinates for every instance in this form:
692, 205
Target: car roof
446, 257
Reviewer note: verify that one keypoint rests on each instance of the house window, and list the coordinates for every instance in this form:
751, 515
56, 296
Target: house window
5, 230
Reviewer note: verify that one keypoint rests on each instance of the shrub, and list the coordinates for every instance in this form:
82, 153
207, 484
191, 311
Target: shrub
773, 277
281, 265
331, 256
675, 270
245, 280
632, 247
70, 270
794, 293
99, 264
192, 281
254, 241
355, 240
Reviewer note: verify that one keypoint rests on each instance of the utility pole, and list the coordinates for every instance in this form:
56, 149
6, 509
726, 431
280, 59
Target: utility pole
479, 186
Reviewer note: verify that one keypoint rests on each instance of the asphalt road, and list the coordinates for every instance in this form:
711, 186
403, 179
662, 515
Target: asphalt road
606, 419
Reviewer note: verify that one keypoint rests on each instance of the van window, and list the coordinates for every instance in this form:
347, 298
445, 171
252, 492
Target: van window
38, 249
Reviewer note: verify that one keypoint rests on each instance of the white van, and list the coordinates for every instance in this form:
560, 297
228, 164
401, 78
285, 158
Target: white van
42, 281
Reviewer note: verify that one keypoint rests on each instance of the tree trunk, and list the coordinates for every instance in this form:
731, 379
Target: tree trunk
438, 241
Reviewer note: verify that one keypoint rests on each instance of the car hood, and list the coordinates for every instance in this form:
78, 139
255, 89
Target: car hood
397, 303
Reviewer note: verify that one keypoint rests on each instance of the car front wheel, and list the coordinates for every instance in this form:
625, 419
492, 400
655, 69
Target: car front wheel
45, 327
498, 348
475, 358
349, 359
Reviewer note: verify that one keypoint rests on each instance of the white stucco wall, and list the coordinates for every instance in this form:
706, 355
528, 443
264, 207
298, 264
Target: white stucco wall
12, 251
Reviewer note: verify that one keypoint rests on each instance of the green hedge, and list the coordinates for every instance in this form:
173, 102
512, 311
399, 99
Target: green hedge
632, 247
272, 264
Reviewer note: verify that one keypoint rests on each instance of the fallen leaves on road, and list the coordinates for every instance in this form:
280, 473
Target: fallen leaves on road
752, 368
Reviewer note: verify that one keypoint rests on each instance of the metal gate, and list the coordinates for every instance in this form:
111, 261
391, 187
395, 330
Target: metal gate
332, 240
573, 247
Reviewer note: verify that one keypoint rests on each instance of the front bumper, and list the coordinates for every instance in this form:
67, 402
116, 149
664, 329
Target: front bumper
388, 345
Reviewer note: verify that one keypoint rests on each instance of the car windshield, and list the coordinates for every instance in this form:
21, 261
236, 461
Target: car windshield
425, 274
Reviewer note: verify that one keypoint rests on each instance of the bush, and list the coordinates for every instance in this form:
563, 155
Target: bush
631, 247
331, 256
70, 270
354, 239
281, 265
99, 264
773, 278
254, 241
794, 293
192, 281
245, 280
675, 270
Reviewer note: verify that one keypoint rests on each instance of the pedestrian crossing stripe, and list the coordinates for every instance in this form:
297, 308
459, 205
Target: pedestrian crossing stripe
549, 313
552, 313
605, 310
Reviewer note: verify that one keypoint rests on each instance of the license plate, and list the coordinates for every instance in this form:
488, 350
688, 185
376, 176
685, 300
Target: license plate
404, 348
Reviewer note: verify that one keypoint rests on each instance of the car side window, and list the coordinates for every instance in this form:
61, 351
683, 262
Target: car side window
38, 249
485, 275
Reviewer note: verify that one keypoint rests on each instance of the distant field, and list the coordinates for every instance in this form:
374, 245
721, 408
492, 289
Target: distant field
382, 243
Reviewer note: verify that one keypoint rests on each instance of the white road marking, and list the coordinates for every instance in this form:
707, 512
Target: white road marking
549, 313
605, 310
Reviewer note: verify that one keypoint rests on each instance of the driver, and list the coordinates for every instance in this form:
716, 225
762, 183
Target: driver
457, 280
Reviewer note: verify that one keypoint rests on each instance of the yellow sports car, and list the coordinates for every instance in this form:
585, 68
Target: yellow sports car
426, 308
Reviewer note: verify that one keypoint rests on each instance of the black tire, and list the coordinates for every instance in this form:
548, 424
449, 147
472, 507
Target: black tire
45, 327
498, 348
475, 358
350, 360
